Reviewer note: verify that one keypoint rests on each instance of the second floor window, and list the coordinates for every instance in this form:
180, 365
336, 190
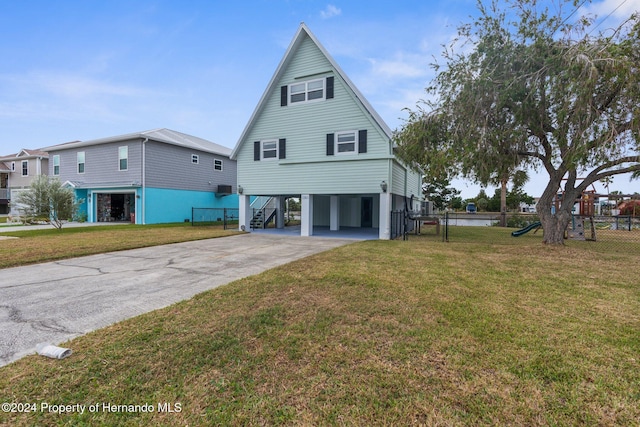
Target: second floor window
123, 158
195, 159
25, 168
81, 160
56, 164
270, 149
217, 164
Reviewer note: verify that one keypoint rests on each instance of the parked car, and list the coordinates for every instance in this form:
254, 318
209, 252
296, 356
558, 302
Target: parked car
471, 208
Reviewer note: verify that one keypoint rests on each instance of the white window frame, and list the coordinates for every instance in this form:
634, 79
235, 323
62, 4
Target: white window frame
124, 149
217, 165
338, 143
275, 149
306, 91
24, 167
195, 159
81, 155
56, 164
13, 166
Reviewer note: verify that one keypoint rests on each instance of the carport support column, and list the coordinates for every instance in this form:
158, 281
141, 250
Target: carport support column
244, 222
385, 216
334, 213
306, 228
280, 219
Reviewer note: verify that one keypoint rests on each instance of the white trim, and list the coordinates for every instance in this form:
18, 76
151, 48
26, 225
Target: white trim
78, 162
276, 148
306, 92
53, 161
120, 159
336, 144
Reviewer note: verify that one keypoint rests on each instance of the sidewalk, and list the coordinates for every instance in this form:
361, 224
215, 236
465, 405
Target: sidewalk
8, 228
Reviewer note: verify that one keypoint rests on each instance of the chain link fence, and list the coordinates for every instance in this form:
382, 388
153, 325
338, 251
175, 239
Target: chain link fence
599, 233
227, 217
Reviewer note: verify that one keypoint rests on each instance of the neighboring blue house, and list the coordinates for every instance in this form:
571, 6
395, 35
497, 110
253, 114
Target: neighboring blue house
150, 177
314, 136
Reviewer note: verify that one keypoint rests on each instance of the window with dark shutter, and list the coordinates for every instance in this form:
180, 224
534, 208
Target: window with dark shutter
283, 96
362, 141
256, 151
330, 143
282, 149
329, 87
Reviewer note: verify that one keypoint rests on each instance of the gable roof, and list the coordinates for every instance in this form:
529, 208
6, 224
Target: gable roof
164, 135
24, 154
303, 31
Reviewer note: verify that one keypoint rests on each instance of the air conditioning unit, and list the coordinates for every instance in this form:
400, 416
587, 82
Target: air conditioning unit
224, 189
426, 208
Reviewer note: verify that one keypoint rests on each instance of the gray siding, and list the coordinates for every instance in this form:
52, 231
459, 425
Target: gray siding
170, 166
101, 164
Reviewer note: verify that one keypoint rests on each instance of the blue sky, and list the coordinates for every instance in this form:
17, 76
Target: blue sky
80, 70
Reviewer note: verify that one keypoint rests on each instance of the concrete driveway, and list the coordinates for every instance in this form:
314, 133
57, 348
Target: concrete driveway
56, 301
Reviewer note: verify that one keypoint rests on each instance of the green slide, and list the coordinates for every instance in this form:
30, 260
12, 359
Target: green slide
527, 229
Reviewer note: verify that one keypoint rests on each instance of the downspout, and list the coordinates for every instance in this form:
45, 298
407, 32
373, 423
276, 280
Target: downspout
144, 183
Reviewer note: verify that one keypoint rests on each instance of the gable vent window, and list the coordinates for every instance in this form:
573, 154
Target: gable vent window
217, 164
195, 159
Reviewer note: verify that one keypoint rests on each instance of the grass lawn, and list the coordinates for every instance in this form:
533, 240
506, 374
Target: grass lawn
33, 246
484, 330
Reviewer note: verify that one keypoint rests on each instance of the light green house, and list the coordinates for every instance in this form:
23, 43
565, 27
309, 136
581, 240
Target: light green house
314, 136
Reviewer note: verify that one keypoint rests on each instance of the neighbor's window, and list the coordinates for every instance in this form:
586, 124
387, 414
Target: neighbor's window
306, 91
195, 159
56, 164
80, 161
123, 158
25, 168
270, 149
13, 166
346, 142
217, 164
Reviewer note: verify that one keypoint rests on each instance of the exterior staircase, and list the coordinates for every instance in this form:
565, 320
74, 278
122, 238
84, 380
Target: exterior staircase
264, 210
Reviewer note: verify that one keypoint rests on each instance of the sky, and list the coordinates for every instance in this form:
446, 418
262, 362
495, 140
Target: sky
85, 69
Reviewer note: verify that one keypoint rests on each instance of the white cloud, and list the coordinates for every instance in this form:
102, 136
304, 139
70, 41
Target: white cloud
330, 11
611, 13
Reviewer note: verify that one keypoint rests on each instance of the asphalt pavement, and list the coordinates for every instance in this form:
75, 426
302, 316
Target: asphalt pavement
56, 301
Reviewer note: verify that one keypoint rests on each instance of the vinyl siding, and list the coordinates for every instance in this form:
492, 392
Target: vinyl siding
101, 164
169, 166
307, 168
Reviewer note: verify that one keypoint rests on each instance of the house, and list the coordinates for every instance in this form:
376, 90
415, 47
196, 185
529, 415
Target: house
16, 173
313, 135
150, 177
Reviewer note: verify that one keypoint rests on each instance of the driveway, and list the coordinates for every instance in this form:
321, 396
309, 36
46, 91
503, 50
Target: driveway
56, 301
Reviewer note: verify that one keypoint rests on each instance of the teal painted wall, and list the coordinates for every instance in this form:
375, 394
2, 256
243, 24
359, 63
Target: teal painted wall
83, 212
165, 205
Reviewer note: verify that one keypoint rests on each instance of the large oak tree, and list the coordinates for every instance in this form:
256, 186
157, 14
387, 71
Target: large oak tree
531, 89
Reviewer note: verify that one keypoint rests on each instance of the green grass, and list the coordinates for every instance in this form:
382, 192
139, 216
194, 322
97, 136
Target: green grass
34, 246
488, 330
